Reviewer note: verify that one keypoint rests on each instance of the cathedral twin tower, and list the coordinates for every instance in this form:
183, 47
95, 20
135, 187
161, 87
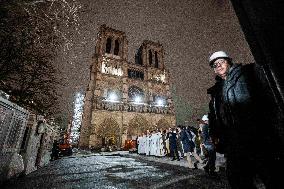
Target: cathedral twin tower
124, 99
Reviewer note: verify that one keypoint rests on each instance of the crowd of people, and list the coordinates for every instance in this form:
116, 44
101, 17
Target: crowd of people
181, 142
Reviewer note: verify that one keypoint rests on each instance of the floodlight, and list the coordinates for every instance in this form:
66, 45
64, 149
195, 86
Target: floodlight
138, 99
160, 102
112, 97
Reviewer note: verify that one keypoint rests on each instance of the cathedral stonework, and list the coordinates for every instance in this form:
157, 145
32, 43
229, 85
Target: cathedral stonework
124, 99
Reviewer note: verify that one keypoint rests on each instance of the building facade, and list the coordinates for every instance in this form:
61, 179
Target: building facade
125, 99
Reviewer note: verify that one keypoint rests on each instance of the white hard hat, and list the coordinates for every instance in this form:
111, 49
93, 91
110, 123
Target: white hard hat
205, 118
217, 55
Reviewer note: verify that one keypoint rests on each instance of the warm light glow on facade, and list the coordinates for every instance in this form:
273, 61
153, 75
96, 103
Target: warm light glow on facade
110, 69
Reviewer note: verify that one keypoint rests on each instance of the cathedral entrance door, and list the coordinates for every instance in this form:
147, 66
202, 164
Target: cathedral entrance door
109, 132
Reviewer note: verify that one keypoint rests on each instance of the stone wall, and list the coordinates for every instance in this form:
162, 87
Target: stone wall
13, 120
36, 152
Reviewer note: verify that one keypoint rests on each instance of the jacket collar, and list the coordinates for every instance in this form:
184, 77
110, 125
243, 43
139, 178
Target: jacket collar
233, 71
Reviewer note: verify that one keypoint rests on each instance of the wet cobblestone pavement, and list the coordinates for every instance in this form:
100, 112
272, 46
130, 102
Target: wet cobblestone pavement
111, 171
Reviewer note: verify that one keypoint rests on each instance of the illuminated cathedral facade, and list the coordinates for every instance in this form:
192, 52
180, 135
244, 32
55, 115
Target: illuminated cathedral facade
124, 99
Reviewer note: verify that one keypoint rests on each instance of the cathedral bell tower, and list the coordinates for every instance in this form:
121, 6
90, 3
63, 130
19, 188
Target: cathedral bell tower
110, 54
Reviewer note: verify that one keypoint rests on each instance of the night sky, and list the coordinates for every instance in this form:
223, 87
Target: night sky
189, 30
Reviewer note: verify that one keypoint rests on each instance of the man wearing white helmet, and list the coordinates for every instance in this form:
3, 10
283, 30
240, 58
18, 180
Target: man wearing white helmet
221, 63
241, 116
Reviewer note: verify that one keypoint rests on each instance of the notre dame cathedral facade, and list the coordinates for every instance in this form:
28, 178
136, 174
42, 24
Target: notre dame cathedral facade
124, 99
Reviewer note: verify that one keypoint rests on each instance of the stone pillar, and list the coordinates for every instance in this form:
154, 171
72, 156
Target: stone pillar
125, 48
87, 112
124, 90
161, 56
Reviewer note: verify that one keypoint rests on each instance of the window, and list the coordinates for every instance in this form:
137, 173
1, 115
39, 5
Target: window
156, 60
138, 57
150, 57
116, 47
135, 74
108, 45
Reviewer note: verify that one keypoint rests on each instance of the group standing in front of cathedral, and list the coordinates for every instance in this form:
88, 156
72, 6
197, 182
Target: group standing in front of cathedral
180, 142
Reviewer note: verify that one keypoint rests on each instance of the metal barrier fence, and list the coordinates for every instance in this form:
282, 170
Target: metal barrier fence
13, 120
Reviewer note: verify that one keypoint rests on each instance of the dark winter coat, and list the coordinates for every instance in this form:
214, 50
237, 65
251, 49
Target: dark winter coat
188, 144
206, 139
172, 140
241, 112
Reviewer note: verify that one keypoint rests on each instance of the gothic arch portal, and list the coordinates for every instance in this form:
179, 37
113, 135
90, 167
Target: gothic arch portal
137, 126
163, 124
109, 132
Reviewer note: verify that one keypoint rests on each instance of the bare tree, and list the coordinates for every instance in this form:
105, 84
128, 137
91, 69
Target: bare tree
31, 32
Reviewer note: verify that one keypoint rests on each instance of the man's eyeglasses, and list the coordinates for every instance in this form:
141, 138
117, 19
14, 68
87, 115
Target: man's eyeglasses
218, 63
